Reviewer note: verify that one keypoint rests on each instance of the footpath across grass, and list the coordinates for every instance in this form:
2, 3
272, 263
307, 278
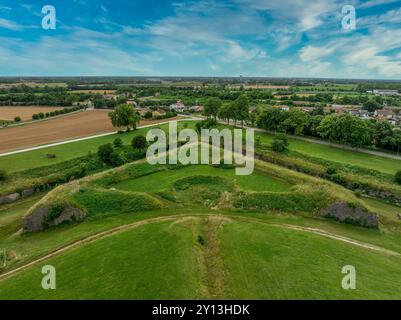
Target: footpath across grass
213, 257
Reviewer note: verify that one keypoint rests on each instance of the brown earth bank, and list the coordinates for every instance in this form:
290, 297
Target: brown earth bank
64, 128
9, 113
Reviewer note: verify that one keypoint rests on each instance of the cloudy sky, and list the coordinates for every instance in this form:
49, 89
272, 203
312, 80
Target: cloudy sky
273, 38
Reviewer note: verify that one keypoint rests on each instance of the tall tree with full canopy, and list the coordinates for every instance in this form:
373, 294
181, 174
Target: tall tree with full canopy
124, 115
212, 107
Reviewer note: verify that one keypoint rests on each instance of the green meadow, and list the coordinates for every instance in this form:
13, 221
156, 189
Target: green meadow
238, 259
385, 165
200, 232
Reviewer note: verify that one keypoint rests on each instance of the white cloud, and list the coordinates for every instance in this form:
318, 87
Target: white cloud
311, 53
374, 3
11, 25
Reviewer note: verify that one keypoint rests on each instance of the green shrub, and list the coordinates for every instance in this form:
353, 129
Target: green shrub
105, 152
139, 142
118, 143
109, 202
148, 115
17, 119
35, 116
117, 158
3, 175
41, 115
280, 143
398, 177
331, 170
201, 240
287, 202
54, 213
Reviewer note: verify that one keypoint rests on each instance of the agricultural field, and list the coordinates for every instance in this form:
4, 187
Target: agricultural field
24, 112
68, 127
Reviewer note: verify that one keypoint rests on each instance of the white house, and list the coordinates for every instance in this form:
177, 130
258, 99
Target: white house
178, 106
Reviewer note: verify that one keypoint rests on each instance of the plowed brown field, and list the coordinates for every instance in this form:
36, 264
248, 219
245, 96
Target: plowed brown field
9, 113
69, 127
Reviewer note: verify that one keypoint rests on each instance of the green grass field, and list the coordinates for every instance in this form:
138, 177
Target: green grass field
191, 242
37, 158
238, 260
355, 158
155, 261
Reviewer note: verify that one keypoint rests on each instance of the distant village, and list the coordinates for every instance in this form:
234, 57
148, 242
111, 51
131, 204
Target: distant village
387, 113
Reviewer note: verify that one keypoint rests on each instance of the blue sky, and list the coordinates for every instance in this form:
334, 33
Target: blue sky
272, 38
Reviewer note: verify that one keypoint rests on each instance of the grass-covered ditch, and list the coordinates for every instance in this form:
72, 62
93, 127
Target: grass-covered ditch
139, 186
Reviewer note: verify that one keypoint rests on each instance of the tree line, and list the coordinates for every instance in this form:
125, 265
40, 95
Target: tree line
340, 128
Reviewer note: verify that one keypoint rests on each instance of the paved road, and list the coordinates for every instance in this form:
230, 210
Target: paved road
334, 145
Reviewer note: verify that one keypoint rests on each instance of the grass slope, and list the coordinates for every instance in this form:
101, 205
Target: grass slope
266, 262
237, 259
363, 160
155, 261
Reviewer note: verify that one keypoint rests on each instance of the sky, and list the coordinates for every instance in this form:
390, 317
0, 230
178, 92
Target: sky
253, 38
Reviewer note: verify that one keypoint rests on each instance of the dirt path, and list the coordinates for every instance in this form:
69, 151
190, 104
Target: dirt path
89, 239
137, 224
211, 265
326, 234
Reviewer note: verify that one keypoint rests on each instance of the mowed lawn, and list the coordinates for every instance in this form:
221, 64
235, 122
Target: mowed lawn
355, 158
37, 158
155, 261
266, 262
160, 181
164, 260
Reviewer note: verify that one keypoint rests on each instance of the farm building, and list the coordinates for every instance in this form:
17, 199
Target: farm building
386, 92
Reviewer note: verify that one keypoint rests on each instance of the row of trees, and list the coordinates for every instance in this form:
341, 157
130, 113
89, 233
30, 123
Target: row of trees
237, 110
344, 128
42, 115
